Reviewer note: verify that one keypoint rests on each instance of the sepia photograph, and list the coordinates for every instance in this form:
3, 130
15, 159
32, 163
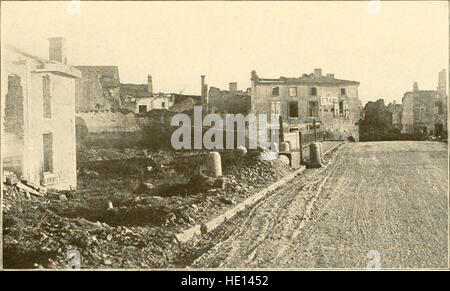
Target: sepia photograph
224, 136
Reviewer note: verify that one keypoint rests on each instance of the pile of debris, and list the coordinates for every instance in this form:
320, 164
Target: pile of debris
41, 239
18, 187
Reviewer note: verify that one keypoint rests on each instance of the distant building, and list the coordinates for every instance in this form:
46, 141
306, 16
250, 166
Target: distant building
136, 91
232, 101
140, 98
377, 113
397, 112
98, 89
332, 103
38, 99
426, 110
182, 102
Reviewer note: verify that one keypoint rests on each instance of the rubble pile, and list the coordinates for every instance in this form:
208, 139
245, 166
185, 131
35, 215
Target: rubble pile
252, 170
122, 220
105, 154
45, 244
19, 189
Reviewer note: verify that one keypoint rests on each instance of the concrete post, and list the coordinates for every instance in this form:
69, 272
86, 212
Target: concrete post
213, 164
315, 130
300, 145
315, 159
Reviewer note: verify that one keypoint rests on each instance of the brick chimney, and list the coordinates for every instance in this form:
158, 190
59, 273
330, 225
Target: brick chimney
149, 84
204, 87
330, 76
442, 84
317, 73
204, 95
415, 87
57, 50
233, 86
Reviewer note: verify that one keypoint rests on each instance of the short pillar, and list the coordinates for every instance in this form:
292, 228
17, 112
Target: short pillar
284, 147
213, 165
315, 157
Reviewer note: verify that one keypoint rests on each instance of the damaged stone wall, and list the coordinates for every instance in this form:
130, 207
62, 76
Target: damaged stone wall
13, 126
122, 130
222, 101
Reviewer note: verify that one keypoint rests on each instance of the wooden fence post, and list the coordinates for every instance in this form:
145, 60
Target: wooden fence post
315, 130
300, 146
280, 130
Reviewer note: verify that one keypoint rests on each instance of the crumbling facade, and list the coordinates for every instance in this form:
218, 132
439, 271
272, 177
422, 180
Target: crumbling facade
98, 89
425, 111
331, 103
232, 101
38, 136
183, 103
397, 113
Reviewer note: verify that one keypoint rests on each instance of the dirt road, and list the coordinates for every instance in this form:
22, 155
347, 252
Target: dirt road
389, 197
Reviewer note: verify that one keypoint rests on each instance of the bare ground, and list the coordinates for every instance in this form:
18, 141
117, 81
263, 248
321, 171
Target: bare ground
391, 197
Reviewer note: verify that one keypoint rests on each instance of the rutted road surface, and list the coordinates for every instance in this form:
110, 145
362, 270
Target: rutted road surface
390, 197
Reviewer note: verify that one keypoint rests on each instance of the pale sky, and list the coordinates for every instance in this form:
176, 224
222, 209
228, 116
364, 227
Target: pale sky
176, 42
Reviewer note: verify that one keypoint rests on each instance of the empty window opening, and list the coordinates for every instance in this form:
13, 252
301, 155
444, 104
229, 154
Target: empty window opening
293, 109
341, 108
313, 91
46, 97
275, 91
142, 108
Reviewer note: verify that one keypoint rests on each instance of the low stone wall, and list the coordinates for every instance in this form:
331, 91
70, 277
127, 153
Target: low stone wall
107, 121
121, 130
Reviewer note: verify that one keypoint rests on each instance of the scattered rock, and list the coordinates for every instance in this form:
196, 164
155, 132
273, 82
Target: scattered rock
171, 218
110, 206
62, 197
144, 188
10, 178
227, 201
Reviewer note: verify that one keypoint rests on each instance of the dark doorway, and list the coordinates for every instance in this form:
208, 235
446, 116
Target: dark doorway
142, 108
48, 152
438, 129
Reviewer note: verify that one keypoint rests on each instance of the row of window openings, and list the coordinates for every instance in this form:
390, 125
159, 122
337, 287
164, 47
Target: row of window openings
313, 109
293, 91
46, 97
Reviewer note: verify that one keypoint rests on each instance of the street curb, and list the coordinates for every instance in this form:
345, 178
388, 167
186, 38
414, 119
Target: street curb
198, 230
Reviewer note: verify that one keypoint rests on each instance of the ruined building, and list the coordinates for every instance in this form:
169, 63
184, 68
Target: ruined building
397, 113
377, 113
98, 88
38, 99
140, 98
332, 103
425, 111
232, 101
